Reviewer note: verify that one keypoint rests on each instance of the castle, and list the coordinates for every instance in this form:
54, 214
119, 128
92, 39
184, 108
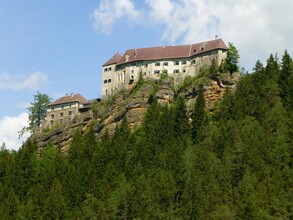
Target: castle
123, 70
177, 61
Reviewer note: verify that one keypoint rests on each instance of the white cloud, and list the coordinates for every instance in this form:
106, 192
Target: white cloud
111, 11
257, 28
33, 81
9, 128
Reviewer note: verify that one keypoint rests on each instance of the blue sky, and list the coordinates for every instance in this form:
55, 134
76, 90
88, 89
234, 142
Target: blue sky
58, 47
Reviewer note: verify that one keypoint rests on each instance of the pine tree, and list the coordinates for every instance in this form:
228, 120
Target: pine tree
38, 110
55, 206
199, 117
231, 63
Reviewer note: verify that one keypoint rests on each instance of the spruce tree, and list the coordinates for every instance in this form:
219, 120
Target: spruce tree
199, 116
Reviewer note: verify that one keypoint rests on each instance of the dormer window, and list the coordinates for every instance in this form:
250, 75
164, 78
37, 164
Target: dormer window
202, 49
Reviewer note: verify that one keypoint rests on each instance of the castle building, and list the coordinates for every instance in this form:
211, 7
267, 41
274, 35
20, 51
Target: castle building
64, 109
178, 61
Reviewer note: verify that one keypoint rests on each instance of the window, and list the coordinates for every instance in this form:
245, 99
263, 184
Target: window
202, 49
157, 64
52, 116
146, 65
176, 71
183, 62
106, 69
61, 121
193, 62
61, 114
194, 51
105, 81
176, 63
165, 64
52, 122
131, 71
109, 80
183, 71
157, 72
110, 68
70, 113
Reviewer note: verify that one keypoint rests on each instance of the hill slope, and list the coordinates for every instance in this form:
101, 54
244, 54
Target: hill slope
183, 162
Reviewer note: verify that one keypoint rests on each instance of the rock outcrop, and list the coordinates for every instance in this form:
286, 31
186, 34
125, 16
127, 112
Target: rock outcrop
132, 103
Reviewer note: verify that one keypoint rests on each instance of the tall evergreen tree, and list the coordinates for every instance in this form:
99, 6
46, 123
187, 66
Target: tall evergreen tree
37, 112
231, 63
199, 116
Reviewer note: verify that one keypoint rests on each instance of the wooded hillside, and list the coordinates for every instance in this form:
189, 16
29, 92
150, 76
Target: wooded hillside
234, 163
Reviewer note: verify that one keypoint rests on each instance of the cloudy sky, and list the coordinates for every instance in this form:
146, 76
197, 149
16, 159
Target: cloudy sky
58, 47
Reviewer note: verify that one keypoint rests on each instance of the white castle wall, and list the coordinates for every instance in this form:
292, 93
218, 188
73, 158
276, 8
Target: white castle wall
116, 77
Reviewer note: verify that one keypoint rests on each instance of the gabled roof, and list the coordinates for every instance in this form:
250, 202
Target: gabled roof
167, 52
115, 59
68, 99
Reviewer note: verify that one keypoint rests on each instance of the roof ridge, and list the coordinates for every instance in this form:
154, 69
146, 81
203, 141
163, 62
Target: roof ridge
167, 52
68, 98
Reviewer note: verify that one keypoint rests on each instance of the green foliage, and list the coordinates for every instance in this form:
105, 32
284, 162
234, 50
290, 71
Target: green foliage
232, 60
213, 69
199, 117
37, 112
233, 164
94, 108
138, 84
164, 74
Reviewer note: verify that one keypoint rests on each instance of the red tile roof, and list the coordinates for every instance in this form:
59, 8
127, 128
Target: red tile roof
113, 60
167, 52
69, 98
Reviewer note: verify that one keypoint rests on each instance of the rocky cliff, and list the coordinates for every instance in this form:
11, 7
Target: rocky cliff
132, 103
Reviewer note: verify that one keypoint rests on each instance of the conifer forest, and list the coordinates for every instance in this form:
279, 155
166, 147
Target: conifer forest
232, 163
